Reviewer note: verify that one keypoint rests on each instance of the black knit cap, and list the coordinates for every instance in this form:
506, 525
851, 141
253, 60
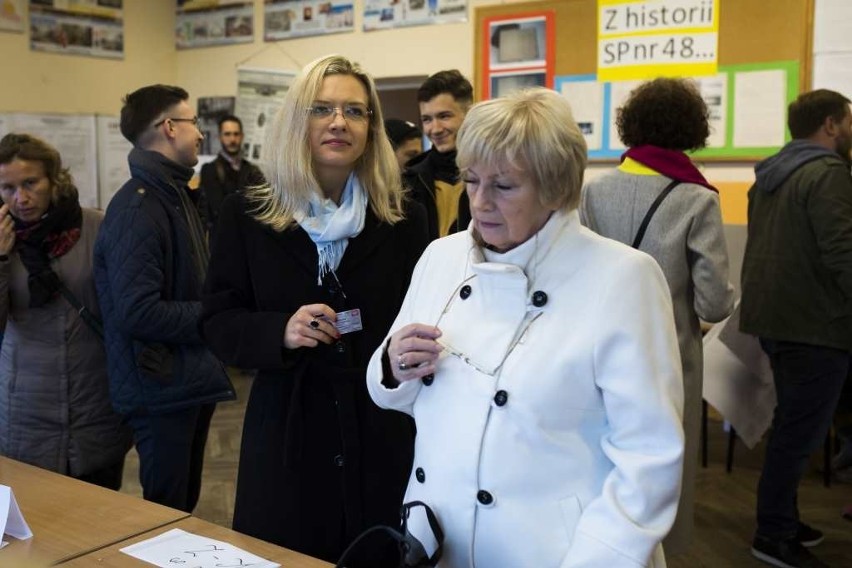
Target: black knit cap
401, 130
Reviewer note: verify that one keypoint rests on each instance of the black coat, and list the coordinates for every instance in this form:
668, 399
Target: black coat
419, 178
218, 181
320, 462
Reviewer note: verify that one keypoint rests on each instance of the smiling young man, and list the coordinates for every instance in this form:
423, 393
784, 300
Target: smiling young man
433, 176
150, 260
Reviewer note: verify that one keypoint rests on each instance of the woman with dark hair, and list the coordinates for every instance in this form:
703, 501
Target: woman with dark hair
306, 275
661, 120
53, 376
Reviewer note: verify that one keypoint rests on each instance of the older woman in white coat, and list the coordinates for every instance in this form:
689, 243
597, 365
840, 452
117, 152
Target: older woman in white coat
540, 363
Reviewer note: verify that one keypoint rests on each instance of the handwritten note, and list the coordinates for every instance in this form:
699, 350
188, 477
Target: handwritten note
180, 549
11, 519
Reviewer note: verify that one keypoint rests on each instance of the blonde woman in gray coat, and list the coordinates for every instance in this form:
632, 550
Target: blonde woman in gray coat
55, 409
661, 120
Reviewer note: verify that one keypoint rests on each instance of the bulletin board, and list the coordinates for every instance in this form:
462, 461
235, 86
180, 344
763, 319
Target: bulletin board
764, 54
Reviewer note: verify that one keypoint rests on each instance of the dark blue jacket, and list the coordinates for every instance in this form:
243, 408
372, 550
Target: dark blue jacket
148, 269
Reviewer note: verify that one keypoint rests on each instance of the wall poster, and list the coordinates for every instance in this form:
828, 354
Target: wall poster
80, 27
213, 22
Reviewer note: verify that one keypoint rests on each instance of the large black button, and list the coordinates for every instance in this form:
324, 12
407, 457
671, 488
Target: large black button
340, 347
484, 497
465, 291
501, 397
338, 460
539, 298
420, 475
428, 379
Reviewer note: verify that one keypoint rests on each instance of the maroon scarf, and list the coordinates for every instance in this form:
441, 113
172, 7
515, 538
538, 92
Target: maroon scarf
673, 164
50, 237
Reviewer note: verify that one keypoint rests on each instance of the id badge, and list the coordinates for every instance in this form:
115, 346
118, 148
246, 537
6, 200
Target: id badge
348, 321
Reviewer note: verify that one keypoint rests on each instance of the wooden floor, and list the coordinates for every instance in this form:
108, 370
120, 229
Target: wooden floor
724, 504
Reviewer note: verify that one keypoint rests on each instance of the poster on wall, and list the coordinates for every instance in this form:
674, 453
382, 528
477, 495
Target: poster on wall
113, 149
80, 27
518, 52
385, 14
200, 23
11, 15
73, 135
285, 19
260, 93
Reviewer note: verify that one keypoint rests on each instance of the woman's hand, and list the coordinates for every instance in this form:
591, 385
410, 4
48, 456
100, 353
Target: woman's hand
7, 230
306, 328
413, 351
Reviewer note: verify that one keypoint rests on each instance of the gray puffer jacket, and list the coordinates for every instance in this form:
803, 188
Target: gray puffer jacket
55, 409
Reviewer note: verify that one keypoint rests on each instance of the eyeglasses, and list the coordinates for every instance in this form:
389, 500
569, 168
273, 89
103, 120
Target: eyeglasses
490, 370
350, 112
193, 120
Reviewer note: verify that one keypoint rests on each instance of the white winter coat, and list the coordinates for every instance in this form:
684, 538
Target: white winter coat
580, 465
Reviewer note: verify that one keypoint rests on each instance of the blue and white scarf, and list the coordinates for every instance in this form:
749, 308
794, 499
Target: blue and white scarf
330, 226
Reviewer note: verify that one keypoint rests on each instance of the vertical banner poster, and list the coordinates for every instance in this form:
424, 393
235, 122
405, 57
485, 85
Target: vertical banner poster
79, 27
260, 93
519, 52
200, 23
285, 19
385, 14
643, 39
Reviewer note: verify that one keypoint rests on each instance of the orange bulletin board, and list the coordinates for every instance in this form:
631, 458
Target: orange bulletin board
753, 35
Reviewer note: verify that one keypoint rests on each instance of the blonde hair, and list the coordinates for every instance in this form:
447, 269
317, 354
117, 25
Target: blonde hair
288, 165
534, 131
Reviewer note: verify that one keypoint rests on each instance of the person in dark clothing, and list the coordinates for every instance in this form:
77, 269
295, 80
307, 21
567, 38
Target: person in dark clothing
796, 298
433, 177
229, 173
306, 276
406, 139
150, 261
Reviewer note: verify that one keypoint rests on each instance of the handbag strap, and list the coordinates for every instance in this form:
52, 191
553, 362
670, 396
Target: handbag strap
640, 234
93, 322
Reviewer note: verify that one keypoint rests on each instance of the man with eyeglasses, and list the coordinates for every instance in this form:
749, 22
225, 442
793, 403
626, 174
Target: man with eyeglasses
150, 262
433, 176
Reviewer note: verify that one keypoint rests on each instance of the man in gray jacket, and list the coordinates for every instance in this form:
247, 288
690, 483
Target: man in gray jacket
797, 298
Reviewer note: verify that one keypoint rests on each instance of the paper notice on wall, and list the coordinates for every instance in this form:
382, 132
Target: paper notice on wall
180, 548
113, 149
619, 91
587, 99
760, 108
714, 91
73, 135
12, 520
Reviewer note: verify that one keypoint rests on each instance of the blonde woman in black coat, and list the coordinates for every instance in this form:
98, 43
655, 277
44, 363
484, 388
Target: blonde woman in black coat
329, 234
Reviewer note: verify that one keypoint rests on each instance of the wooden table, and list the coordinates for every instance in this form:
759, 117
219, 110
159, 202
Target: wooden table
110, 557
70, 518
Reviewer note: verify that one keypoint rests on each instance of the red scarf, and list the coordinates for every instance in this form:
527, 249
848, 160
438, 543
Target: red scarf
673, 164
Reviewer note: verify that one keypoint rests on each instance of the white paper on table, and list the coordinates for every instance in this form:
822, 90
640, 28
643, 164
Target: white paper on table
12, 520
178, 548
760, 108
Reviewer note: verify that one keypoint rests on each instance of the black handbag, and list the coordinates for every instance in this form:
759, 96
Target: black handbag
412, 553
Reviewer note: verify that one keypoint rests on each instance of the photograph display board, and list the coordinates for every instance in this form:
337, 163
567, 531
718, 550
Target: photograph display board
385, 14
758, 50
285, 19
213, 22
260, 93
518, 52
78, 27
